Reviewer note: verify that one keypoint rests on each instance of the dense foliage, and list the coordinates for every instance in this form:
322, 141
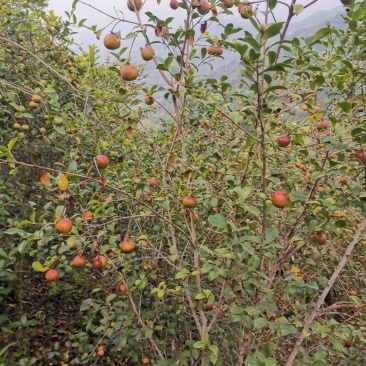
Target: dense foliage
230, 235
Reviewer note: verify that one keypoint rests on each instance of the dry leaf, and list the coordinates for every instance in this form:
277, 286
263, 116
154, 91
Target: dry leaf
171, 159
45, 179
129, 131
191, 41
145, 265
153, 170
136, 178
93, 247
203, 26
71, 201
169, 168
161, 31
158, 1
62, 182
214, 11
104, 181
89, 170
98, 33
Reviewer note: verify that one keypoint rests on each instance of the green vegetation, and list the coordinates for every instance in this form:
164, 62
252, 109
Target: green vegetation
231, 233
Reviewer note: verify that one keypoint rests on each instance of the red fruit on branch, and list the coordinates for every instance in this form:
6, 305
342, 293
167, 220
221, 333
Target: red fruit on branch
280, 199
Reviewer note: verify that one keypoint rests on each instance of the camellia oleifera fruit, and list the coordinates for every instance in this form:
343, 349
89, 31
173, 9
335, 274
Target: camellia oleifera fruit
129, 72
173, 4
52, 275
79, 261
320, 238
361, 156
64, 225
132, 4
284, 141
322, 125
280, 199
204, 7
245, 8
127, 246
190, 201
121, 289
97, 263
215, 50
229, 3
149, 99
112, 41
101, 161
147, 53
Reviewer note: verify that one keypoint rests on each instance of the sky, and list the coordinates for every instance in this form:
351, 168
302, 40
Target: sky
163, 11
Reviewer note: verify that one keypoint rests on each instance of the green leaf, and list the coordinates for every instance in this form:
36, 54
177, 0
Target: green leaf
110, 298
299, 196
272, 4
199, 344
12, 143
242, 193
322, 33
37, 266
271, 235
252, 361
182, 274
272, 30
200, 297
13, 231
218, 220
260, 323
213, 358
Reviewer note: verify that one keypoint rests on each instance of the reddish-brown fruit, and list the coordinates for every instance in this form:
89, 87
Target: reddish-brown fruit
154, 266
97, 263
79, 261
129, 72
353, 293
215, 50
121, 289
100, 351
127, 246
52, 275
112, 41
220, 312
284, 141
174, 4
101, 161
87, 215
147, 53
320, 238
245, 8
305, 108
145, 361
64, 225
190, 201
209, 305
362, 156
322, 125
348, 343
229, 3
131, 3
104, 260
153, 182
280, 199
204, 7
149, 99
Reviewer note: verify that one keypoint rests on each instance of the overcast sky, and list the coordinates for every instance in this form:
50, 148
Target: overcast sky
163, 11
